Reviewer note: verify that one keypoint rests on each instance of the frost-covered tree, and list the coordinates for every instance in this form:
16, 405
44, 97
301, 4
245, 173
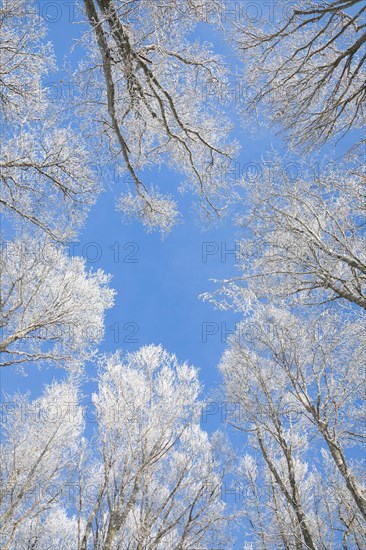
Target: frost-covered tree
303, 238
300, 381
159, 482
25, 58
51, 307
305, 66
53, 528
47, 180
296, 363
149, 108
149, 478
39, 451
153, 108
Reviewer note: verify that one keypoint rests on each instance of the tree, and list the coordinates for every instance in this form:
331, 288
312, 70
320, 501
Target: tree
52, 309
153, 108
25, 60
44, 160
39, 451
51, 529
150, 477
160, 483
149, 480
303, 241
43, 166
300, 380
296, 371
305, 67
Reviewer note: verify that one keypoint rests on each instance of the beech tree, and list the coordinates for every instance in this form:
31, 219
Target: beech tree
45, 163
305, 66
303, 241
25, 59
51, 529
300, 381
160, 483
151, 478
51, 308
43, 166
39, 451
295, 365
153, 108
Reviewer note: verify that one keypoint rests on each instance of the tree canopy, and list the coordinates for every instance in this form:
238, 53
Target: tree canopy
128, 464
